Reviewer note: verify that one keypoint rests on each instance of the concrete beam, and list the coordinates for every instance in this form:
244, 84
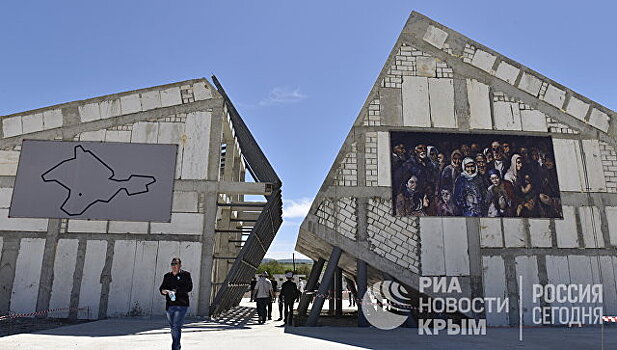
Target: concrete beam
69, 130
251, 188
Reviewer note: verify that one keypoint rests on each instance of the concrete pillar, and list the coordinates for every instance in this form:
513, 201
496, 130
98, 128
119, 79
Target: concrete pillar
331, 295
210, 211
310, 285
10, 249
207, 252
338, 291
324, 287
222, 248
361, 214
362, 281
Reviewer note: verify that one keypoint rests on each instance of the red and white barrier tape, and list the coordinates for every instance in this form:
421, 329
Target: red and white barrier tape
609, 318
10, 316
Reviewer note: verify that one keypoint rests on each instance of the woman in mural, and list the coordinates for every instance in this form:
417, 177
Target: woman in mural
441, 159
432, 155
452, 171
516, 166
550, 201
482, 171
499, 196
489, 155
398, 158
411, 201
468, 192
526, 191
444, 205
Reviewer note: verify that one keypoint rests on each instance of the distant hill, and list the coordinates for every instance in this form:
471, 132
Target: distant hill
289, 261
298, 261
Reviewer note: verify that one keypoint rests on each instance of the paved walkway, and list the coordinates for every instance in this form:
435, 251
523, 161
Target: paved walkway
239, 330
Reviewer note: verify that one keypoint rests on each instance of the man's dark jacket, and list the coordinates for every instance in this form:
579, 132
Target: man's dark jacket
289, 291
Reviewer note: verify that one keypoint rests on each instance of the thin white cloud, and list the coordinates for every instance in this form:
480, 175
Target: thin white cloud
296, 208
283, 95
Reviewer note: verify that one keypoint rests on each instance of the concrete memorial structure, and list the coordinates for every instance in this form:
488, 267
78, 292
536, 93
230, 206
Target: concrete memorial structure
436, 80
97, 196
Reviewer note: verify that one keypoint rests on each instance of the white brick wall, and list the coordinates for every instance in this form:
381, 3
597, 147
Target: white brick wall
370, 158
435, 36
410, 61
599, 120
555, 96
560, 128
609, 165
339, 215
537, 87
29, 123
507, 72
394, 238
483, 60
479, 105
373, 117
512, 114
347, 173
325, 213
577, 108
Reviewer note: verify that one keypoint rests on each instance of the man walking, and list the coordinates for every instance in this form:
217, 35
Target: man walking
289, 293
253, 282
274, 286
263, 295
176, 287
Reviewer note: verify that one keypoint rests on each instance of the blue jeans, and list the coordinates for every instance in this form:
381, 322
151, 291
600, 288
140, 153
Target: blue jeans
175, 316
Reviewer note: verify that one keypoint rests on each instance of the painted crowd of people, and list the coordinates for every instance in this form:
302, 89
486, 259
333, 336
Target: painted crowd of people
500, 180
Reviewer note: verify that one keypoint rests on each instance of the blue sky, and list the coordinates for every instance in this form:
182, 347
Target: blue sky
298, 71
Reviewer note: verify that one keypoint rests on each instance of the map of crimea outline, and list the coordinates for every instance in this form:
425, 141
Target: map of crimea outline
139, 183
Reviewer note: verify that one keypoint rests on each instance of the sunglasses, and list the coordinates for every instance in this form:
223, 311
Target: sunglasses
174, 264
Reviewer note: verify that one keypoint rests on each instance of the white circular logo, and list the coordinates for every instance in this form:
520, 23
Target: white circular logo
386, 304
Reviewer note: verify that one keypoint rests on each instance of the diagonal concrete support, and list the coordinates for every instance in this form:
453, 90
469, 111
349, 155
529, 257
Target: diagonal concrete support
324, 287
338, 292
362, 281
310, 286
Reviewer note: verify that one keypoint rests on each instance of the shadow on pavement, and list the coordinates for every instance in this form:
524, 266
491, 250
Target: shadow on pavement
235, 319
495, 338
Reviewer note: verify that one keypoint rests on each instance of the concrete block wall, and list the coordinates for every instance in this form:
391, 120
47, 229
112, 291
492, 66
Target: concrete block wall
370, 157
373, 114
339, 214
347, 173
114, 268
396, 239
609, 165
410, 61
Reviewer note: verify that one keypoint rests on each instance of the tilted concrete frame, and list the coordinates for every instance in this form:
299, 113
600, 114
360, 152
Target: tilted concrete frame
105, 268
471, 83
